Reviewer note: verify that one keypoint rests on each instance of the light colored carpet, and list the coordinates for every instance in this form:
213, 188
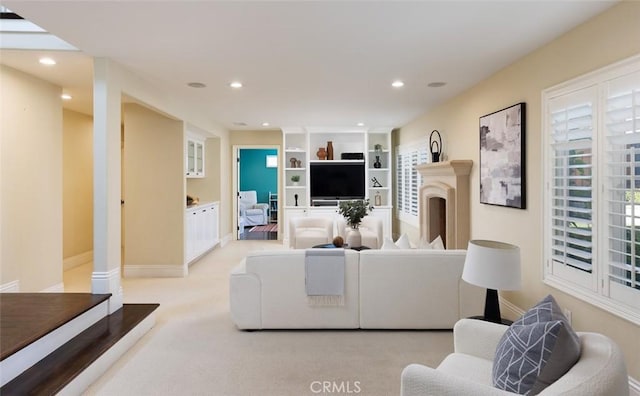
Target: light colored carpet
194, 349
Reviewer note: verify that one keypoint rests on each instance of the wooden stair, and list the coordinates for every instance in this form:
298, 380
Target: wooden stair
29, 318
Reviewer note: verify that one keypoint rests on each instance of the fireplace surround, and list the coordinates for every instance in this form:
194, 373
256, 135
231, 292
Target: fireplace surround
444, 202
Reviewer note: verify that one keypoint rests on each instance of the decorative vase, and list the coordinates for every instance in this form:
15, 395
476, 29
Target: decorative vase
378, 199
330, 150
322, 154
377, 164
354, 238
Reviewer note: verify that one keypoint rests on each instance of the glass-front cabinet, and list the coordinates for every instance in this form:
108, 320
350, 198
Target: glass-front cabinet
195, 156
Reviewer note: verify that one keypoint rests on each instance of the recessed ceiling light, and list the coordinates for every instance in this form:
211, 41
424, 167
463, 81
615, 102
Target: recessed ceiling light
47, 61
65, 96
360, 124
437, 84
265, 124
397, 84
236, 84
197, 85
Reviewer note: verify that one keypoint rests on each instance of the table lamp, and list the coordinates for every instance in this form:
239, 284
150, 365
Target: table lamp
496, 266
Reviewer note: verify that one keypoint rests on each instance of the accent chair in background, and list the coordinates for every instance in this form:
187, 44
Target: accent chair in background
251, 211
306, 232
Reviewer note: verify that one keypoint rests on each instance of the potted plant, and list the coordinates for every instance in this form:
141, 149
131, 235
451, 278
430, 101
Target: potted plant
295, 179
353, 212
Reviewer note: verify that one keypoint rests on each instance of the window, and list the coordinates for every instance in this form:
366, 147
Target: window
408, 180
272, 161
592, 195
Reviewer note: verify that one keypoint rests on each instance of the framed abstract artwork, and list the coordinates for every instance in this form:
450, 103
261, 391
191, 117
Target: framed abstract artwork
502, 157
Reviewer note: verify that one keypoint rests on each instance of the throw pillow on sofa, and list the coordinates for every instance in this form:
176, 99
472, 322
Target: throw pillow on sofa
388, 244
536, 350
436, 244
403, 242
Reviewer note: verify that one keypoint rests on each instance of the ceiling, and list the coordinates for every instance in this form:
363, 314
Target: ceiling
311, 63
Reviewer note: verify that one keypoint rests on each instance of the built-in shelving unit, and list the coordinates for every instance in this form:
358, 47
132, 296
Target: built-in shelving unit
301, 148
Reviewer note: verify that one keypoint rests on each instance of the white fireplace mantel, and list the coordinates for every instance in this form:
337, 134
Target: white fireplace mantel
445, 202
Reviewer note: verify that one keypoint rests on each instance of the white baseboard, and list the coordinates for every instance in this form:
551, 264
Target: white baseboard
512, 312
77, 260
226, 239
59, 288
634, 387
10, 287
155, 271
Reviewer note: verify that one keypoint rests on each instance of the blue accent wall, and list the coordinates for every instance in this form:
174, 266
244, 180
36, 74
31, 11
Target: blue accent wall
254, 174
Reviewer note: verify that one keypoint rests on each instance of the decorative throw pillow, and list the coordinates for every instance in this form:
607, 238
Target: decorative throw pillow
388, 244
436, 244
403, 242
536, 350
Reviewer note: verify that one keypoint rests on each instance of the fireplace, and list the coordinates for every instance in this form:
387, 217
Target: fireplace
444, 202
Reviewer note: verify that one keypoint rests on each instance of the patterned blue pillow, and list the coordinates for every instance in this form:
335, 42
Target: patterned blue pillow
536, 350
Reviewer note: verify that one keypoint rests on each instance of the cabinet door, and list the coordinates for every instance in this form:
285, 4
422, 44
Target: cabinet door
199, 158
191, 241
191, 158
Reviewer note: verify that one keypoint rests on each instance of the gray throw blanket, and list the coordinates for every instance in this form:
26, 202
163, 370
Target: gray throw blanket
324, 276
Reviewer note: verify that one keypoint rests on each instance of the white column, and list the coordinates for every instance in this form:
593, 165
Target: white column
106, 183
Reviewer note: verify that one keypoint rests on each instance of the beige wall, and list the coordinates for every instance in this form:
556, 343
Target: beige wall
253, 138
31, 212
154, 191
601, 41
77, 187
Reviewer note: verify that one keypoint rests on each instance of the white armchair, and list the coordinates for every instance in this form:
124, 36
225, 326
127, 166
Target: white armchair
599, 371
370, 229
251, 211
306, 232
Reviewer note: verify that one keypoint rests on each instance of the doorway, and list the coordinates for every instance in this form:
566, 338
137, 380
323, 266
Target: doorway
256, 185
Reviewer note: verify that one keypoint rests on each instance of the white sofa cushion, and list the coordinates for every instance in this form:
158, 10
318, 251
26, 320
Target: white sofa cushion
283, 298
415, 289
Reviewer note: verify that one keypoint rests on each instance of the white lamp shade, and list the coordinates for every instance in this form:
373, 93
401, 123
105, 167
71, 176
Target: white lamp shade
493, 265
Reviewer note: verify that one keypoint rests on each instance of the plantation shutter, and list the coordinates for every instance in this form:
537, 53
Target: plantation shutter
622, 187
408, 179
572, 179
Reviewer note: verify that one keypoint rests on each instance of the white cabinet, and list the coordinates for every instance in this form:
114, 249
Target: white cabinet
201, 229
195, 156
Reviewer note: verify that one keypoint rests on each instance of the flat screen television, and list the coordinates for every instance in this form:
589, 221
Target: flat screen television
337, 180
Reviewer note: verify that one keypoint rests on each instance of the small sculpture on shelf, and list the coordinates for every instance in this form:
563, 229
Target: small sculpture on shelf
294, 162
378, 199
378, 150
376, 183
298, 163
296, 199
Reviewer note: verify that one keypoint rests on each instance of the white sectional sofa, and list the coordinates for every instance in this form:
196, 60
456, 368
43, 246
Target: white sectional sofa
384, 289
